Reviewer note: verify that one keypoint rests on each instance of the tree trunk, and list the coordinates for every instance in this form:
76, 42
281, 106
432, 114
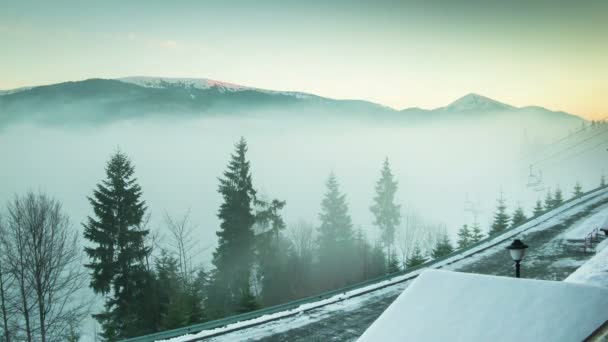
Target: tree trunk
26, 310
7, 336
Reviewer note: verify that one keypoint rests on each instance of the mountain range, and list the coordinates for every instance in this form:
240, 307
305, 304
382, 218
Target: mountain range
105, 100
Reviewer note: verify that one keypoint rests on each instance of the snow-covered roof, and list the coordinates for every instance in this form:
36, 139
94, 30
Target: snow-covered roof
453, 306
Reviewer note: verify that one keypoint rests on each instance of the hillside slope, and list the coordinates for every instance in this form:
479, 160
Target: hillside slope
107, 100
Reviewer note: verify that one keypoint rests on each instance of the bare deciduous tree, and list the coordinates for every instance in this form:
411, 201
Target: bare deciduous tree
414, 231
43, 256
301, 235
183, 244
5, 297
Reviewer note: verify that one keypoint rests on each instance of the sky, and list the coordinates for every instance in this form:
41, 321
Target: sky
397, 53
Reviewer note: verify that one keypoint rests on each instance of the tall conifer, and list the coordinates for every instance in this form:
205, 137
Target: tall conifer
386, 212
501, 218
336, 238
230, 289
118, 253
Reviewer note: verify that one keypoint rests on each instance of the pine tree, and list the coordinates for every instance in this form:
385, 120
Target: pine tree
197, 297
364, 255
476, 233
538, 209
464, 237
558, 198
549, 201
378, 263
578, 190
172, 296
602, 181
415, 259
393, 264
118, 255
336, 238
272, 253
444, 247
234, 255
501, 218
519, 217
247, 302
386, 212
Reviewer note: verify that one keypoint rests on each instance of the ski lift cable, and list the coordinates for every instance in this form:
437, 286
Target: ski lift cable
570, 148
558, 141
578, 153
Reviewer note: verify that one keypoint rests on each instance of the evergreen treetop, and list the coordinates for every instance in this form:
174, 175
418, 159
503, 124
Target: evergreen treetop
464, 237
336, 225
336, 243
386, 213
578, 190
416, 258
476, 233
549, 201
119, 255
519, 217
501, 218
115, 230
558, 198
444, 247
234, 254
538, 209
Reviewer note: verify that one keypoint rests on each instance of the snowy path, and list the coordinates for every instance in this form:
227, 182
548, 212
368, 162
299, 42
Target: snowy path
586, 226
347, 316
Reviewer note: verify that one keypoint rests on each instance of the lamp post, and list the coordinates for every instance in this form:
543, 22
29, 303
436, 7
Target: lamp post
517, 250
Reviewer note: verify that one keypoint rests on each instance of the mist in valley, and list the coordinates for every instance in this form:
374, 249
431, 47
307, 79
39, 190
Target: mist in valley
451, 164
441, 167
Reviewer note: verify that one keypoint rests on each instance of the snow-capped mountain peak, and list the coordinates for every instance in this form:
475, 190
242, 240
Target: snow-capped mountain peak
475, 102
166, 82
201, 83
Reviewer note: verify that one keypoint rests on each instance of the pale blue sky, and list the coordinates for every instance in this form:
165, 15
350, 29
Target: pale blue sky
398, 53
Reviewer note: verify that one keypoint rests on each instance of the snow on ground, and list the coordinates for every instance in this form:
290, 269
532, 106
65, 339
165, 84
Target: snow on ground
453, 306
595, 270
567, 262
302, 315
585, 227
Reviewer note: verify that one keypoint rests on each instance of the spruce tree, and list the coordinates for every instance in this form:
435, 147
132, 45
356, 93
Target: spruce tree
558, 198
501, 218
378, 263
118, 253
272, 253
364, 255
386, 212
538, 209
415, 258
549, 201
444, 247
393, 264
578, 190
519, 217
247, 302
464, 237
336, 238
230, 286
198, 297
476, 233
173, 301
602, 181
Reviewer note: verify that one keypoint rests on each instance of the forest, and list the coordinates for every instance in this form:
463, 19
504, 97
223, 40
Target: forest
151, 283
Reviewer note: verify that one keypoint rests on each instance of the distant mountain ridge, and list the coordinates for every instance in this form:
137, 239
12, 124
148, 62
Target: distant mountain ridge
138, 96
